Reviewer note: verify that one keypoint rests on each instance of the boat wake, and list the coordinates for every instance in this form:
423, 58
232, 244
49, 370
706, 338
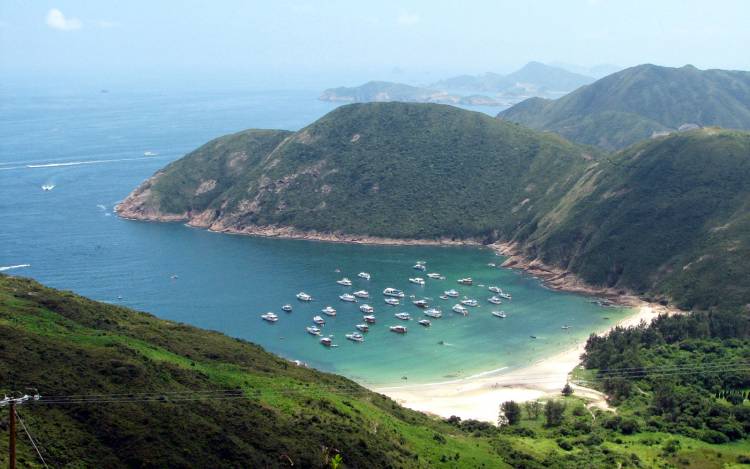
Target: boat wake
75, 163
11, 267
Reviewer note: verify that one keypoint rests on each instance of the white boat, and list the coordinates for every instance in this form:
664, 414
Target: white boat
398, 329
48, 187
364, 275
460, 310
327, 341
270, 317
329, 311
565, 327
420, 266
491, 264
393, 292
362, 327
319, 320
420, 303
361, 294
494, 289
355, 337
150, 153
367, 309
302, 296
345, 282
433, 313
392, 301
505, 295
417, 280
434, 275
425, 322
403, 316
466, 281
370, 319
500, 314
451, 293
443, 297
470, 302
287, 308
494, 300
348, 297
313, 330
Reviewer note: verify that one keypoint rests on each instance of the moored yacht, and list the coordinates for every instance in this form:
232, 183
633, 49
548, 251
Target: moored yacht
505, 295
500, 314
319, 320
392, 301
433, 313
355, 337
494, 289
420, 303
361, 294
369, 319
425, 322
466, 281
451, 293
403, 316
302, 296
434, 275
393, 292
328, 311
494, 300
287, 308
348, 297
326, 341
362, 327
460, 310
313, 330
364, 275
443, 297
367, 309
420, 266
417, 280
398, 329
270, 317
470, 302
345, 282
565, 327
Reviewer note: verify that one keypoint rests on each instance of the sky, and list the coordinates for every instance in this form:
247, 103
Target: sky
296, 44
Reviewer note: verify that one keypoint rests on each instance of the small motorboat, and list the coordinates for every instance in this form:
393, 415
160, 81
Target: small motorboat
326, 341
533, 336
348, 297
466, 281
393, 292
403, 316
364, 275
460, 310
434, 275
150, 153
328, 311
345, 282
451, 293
417, 280
369, 319
47, 187
433, 313
361, 294
313, 330
504, 295
470, 302
495, 300
392, 301
362, 327
302, 296
367, 309
319, 320
425, 322
270, 317
565, 327
287, 308
420, 303
420, 266
355, 337
443, 297
494, 289
491, 264
398, 329
500, 314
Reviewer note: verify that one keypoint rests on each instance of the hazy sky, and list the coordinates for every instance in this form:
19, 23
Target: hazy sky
295, 43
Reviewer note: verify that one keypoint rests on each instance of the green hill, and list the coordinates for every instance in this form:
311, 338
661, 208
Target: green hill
667, 217
632, 104
534, 75
382, 169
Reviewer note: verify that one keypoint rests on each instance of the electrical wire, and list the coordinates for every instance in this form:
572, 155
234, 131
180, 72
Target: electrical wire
33, 443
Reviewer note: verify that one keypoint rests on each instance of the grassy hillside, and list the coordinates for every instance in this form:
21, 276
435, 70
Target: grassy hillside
280, 414
666, 217
382, 169
630, 105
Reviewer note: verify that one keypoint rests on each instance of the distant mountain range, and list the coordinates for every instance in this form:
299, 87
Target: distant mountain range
641, 101
386, 91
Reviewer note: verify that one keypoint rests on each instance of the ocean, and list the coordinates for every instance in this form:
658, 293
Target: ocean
91, 147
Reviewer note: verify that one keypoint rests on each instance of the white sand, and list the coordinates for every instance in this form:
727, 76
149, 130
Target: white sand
479, 398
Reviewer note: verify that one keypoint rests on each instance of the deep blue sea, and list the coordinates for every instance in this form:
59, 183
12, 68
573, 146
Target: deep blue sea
90, 146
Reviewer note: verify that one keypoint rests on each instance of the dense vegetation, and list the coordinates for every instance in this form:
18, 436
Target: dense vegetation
382, 169
667, 218
283, 414
628, 106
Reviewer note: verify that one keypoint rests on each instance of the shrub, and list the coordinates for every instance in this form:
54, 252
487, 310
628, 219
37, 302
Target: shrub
712, 436
564, 444
512, 411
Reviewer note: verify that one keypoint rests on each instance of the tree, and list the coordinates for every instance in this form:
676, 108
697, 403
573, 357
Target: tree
533, 409
567, 390
512, 411
554, 412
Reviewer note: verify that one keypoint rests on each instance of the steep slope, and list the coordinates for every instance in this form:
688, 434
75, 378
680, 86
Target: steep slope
666, 217
278, 414
630, 105
380, 169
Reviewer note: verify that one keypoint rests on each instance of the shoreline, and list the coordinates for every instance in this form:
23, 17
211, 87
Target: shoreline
480, 397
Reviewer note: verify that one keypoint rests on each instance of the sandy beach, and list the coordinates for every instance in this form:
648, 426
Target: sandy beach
479, 398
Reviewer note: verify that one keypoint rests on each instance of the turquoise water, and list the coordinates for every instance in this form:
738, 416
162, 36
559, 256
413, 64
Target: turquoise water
71, 240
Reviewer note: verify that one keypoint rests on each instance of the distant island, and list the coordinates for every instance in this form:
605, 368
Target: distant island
385, 91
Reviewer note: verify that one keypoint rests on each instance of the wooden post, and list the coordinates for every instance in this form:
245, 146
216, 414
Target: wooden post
12, 439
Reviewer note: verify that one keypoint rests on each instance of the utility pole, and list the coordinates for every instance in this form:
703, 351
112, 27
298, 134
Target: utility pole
12, 442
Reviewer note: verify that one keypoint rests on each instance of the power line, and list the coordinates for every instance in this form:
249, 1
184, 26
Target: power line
33, 443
